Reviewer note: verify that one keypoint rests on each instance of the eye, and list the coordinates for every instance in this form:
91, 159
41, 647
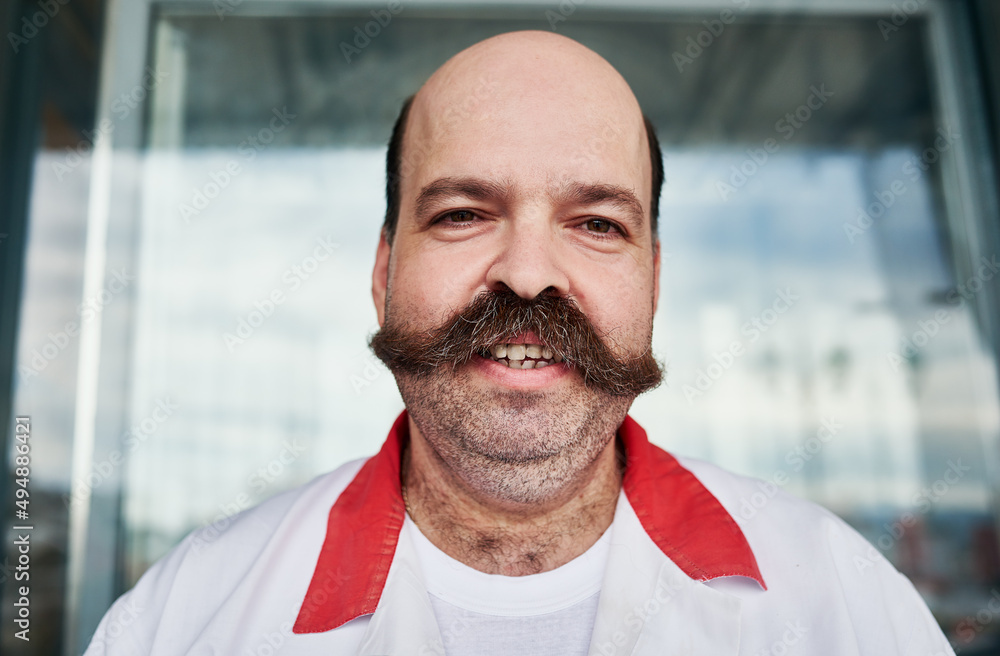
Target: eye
601, 226
459, 216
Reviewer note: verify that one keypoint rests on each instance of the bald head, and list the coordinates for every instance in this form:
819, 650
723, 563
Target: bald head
543, 101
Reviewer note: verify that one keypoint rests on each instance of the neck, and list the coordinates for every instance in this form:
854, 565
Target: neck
497, 536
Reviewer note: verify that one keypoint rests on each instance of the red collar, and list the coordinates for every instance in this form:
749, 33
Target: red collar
681, 516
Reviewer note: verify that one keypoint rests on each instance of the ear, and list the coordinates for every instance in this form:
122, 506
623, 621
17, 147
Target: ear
380, 277
656, 274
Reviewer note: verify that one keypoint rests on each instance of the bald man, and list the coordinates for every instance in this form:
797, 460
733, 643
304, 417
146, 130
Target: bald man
515, 508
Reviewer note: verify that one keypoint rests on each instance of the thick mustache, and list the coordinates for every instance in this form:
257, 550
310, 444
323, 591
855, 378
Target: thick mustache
500, 317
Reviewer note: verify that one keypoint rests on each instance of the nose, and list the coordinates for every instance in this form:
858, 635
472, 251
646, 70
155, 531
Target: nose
528, 262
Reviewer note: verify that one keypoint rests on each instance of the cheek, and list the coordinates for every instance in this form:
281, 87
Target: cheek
619, 301
626, 327
429, 287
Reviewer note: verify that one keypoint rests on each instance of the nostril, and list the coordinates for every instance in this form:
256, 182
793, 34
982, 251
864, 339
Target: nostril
503, 287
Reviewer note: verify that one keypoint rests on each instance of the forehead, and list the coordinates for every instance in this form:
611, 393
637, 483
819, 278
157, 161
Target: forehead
535, 125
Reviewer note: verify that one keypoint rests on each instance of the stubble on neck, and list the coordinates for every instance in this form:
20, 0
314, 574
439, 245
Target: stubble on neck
496, 535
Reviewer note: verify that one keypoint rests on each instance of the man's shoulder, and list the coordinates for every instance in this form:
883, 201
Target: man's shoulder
823, 578
259, 523
260, 559
782, 529
296, 520
747, 498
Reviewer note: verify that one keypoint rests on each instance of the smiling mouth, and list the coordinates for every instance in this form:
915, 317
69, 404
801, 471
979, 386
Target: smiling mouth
522, 356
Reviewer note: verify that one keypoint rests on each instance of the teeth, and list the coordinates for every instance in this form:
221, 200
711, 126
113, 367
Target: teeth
524, 356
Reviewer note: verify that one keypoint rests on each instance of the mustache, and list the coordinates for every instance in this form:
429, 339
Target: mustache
498, 317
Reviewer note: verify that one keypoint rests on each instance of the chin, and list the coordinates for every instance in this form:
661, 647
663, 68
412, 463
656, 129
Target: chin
519, 447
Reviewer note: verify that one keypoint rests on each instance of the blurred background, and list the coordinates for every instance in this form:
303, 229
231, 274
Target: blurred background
830, 305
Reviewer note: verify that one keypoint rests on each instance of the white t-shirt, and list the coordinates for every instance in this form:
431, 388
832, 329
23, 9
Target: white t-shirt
551, 613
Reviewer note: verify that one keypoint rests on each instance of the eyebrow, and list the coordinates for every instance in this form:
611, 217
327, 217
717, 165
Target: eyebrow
472, 188
596, 194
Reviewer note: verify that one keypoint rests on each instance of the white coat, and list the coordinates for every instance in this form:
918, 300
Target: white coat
329, 569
